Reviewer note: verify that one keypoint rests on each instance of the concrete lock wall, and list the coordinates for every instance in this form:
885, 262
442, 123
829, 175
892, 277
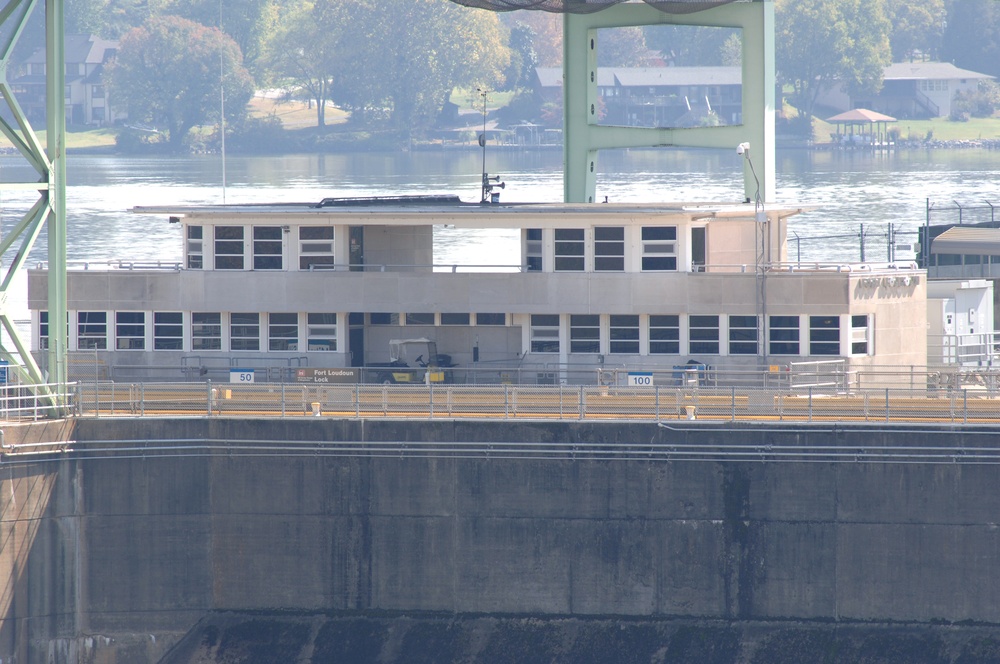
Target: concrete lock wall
123, 555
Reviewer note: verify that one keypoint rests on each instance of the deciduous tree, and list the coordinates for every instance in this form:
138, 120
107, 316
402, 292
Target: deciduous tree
417, 52
822, 43
972, 36
170, 70
308, 49
917, 27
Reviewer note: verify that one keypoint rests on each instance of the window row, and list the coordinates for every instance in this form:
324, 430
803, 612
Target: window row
198, 331
702, 335
606, 249
258, 247
435, 319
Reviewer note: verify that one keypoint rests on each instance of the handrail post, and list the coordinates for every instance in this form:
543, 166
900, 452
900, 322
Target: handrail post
887, 404
208, 387
733, 395
283, 410
965, 406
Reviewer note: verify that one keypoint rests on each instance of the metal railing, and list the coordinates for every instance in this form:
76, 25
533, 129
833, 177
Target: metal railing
509, 402
19, 403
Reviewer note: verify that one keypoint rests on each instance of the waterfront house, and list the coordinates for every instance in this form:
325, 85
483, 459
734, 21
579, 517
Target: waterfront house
916, 90
87, 101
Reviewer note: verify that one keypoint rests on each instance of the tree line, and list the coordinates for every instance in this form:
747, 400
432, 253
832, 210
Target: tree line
393, 64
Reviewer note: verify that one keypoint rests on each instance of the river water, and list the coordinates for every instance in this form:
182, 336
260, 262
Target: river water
849, 189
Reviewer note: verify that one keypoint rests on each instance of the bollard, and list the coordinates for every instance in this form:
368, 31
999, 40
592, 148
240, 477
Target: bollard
315, 407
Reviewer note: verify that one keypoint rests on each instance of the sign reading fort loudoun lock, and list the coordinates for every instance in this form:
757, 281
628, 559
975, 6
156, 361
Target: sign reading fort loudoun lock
315, 375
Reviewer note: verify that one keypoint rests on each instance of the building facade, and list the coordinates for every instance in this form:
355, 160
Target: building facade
596, 286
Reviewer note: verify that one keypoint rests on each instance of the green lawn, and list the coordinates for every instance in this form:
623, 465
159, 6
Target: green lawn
297, 115
917, 130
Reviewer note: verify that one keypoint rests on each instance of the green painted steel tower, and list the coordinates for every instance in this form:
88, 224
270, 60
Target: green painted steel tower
584, 136
49, 211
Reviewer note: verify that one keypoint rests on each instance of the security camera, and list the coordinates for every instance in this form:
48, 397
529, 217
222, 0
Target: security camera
742, 148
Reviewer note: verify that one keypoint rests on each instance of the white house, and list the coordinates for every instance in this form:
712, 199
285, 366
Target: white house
87, 100
909, 90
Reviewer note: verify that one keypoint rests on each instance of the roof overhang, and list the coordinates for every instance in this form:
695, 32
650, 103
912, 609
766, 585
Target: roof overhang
968, 240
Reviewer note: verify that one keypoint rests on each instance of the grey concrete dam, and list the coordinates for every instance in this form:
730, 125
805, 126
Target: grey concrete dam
319, 540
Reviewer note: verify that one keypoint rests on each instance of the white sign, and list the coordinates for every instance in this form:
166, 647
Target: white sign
640, 379
241, 375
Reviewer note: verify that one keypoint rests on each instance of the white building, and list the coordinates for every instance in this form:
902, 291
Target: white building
909, 90
640, 286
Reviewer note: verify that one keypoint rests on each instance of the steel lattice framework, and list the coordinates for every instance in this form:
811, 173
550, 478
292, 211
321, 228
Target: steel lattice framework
49, 211
590, 6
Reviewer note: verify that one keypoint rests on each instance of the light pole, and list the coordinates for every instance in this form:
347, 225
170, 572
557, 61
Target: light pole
482, 144
485, 195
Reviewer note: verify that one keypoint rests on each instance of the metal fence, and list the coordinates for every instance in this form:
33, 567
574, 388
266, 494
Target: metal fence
508, 402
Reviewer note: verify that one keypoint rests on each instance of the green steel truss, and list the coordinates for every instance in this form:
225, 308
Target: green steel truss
49, 211
583, 137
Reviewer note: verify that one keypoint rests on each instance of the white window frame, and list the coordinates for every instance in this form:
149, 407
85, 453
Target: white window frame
134, 341
317, 253
323, 332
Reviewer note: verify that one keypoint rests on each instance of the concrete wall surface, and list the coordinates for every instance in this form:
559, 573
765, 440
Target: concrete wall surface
398, 639
114, 551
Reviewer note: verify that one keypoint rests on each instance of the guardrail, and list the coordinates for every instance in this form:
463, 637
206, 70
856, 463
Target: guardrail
19, 403
508, 402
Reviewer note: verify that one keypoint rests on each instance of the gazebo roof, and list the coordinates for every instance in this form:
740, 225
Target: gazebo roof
860, 116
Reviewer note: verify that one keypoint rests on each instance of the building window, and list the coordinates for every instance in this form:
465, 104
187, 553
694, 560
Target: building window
228, 247
544, 333
861, 327
206, 331
743, 335
130, 330
703, 335
419, 319
664, 335
98, 92
283, 332
267, 248
625, 335
609, 249
783, 335
195, 255
455, 319
92, 330
383, 319
321, 332
585, 333
824, 335
570, 248
43, 330
659, 248
244, 331
168, 330
491, 319
533, 249
315, 247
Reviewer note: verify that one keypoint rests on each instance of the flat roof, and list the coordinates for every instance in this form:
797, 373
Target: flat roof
419, 211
